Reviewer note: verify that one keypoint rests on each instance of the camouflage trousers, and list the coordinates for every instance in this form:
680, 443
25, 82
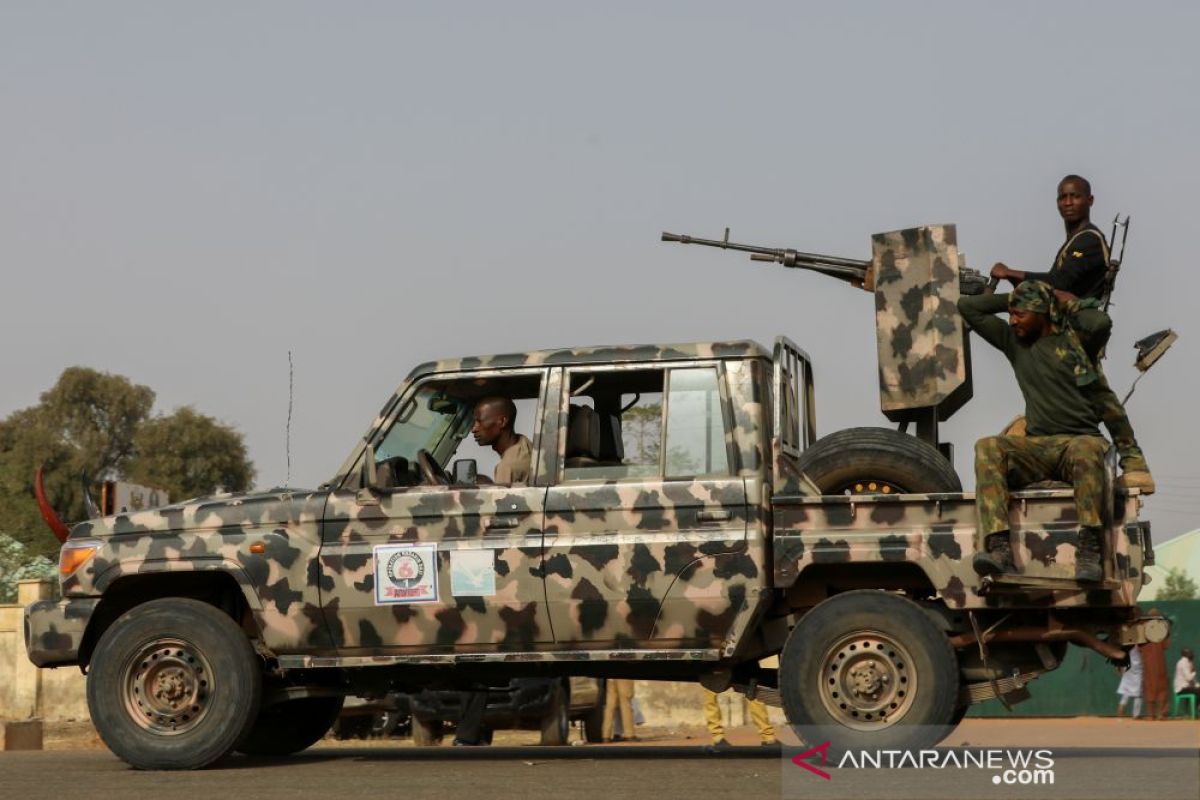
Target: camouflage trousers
1017, 461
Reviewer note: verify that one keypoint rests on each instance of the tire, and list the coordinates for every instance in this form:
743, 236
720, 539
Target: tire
174, 684
427, 732
593, 723
291, 726
903, 695
851, 460
555, 726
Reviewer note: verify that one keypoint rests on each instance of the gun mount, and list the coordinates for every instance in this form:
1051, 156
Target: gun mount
916, 276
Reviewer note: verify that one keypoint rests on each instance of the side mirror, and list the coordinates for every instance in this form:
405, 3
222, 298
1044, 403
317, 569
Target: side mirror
368, 479
465, 472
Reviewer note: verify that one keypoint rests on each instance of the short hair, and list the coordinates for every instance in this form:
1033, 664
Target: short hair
504, 405
1084, 182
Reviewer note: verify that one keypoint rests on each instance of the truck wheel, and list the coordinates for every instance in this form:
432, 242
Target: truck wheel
593, 723
877, 461
174, 684
291, 726
427, 732
869, 670
556, 727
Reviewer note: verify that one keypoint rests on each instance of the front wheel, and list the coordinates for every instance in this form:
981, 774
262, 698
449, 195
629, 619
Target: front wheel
174, 684
868, 670
291, 726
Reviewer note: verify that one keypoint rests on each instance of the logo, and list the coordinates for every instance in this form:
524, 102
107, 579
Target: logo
405, 569
1008, 766
799, 759
405, 573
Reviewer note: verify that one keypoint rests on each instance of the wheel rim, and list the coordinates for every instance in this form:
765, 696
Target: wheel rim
867, 680
870, 486
167, 686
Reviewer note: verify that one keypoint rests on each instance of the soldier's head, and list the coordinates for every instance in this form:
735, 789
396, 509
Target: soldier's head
1074, 199
494, 418
1030, 307
1188, 654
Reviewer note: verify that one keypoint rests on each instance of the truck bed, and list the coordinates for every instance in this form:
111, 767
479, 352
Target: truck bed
936, 533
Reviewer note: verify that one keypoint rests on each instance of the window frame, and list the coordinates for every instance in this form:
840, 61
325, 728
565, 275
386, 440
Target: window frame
559, 477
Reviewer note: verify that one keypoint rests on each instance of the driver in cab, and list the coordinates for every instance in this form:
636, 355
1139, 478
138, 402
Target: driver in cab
493, 427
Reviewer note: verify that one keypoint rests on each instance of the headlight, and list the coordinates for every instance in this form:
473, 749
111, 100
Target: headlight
74, 554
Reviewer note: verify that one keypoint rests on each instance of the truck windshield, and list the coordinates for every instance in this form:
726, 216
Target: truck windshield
421, 425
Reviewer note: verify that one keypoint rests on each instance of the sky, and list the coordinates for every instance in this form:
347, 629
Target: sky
190, 191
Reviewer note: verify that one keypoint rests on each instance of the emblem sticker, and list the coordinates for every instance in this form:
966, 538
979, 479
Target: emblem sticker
405, 573
472, 573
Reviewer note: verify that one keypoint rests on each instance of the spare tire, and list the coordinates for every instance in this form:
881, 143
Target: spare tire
877, 461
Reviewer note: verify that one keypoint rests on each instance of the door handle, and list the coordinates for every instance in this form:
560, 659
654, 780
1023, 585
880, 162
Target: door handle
501, 523
713, 516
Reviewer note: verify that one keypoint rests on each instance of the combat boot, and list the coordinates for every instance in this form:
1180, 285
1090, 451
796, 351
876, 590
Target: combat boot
997, 557
1137, 479
1087, 556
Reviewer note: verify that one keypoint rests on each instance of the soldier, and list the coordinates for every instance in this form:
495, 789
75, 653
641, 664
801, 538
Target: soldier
1079, 272
494, 418
1058, 380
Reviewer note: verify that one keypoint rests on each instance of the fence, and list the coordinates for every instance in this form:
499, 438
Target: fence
25, 690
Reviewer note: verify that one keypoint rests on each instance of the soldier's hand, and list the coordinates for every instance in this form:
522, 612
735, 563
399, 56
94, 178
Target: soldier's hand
1000, 271
1064, 296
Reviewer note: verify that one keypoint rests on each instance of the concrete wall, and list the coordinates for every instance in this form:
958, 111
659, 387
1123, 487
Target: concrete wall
25, 690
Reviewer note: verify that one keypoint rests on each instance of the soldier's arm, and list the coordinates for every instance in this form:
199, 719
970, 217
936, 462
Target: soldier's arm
1093, 326
980, 312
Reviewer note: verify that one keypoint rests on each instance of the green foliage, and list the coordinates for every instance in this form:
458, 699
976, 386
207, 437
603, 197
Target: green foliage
16, 564
190, 454
1177, 586
92, 424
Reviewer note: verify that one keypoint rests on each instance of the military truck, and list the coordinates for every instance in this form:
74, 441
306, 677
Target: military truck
682, 521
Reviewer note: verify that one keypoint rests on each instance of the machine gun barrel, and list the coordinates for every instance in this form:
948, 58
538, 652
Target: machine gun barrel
853, 270
848, 269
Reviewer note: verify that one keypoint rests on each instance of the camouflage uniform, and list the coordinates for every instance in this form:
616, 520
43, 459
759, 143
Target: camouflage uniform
1060, 384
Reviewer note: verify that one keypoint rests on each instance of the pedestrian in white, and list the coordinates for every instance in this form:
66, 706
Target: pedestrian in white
1130, 687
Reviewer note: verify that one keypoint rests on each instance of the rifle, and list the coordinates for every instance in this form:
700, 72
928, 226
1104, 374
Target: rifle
852, 270
1114, 262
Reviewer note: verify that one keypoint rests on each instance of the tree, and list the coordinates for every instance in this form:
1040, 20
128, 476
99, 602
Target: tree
16, 564
98, 425
190, 454
1177, 586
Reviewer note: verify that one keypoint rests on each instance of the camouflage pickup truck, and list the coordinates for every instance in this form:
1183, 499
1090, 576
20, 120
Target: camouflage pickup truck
681, 522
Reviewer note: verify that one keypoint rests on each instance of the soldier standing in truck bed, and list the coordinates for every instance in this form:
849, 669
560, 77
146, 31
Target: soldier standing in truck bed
1063, 442
1080, 273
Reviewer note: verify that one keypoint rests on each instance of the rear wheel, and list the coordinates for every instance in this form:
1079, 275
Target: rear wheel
869, 670
174, 684
877, 461
593, 723
556, 727
291, 726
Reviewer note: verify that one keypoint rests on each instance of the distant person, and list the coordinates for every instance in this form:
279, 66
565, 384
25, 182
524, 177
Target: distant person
716, 724
618, 693
1079, 273
1185, 674
493, 427
1154, 674
1130, 687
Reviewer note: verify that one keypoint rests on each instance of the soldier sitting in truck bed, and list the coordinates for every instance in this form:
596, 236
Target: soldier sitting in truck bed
1080, 271
1058, 382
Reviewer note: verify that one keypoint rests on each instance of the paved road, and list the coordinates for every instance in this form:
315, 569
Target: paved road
568, 773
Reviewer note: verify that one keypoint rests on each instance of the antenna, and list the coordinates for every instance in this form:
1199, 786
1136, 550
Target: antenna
291, 384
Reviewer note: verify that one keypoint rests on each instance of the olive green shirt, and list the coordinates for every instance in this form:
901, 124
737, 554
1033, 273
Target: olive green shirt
1054, 404
515, 463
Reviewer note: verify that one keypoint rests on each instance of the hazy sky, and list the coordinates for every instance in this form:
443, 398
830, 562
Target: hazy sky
190, 190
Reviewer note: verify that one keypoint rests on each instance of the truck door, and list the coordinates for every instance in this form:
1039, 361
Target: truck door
644, 503
414, 568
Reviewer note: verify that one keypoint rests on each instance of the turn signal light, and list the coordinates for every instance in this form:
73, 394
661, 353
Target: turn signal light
74, 555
